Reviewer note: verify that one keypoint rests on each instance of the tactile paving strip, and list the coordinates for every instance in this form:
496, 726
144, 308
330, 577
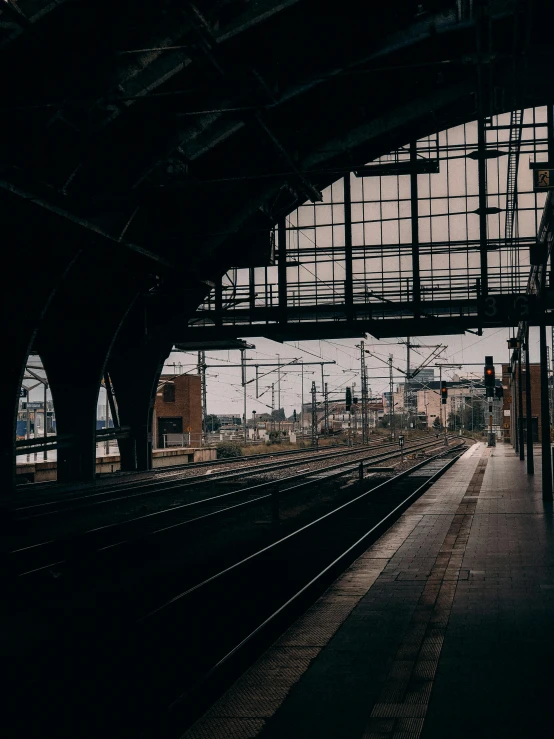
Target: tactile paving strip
400, 709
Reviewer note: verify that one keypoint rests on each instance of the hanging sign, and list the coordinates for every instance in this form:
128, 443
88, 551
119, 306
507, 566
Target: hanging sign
543, 179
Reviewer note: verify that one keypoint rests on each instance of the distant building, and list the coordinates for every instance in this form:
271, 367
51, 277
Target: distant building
424, 376
226, 420
178, 412
465, 401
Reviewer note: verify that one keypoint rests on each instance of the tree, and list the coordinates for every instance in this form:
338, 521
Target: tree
279, 415
470, 418
437, 423
212, 422
386, 421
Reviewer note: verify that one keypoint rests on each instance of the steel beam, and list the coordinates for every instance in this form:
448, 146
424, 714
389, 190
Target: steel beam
416, 286
482, 180
282, 269
348, 284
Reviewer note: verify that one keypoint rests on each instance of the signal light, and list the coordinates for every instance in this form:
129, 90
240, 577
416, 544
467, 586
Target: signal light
489, 372
499, 391
444, 392
348, 398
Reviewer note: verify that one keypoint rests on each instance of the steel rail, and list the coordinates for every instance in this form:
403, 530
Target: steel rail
149, 486
274, 486
308, 526
124, 479
161, 487
232, 663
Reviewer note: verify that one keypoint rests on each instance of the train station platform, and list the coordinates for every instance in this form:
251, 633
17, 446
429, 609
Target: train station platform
442, 628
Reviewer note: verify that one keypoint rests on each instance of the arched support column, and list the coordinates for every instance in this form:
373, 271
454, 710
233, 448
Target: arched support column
74, 342
134, 367
19, 322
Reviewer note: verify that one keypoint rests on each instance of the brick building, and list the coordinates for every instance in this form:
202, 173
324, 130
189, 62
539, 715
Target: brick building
178, 411
511, 395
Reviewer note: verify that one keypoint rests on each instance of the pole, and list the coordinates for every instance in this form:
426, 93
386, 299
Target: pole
545, 414
481, 149
348, 282
243, 376
279, 394
203, 389
472, 418
515, 440
45, 453
440, 386
530, 459
364, 393
520, 405
326, 409
445, 416
244, 414
28, 419
273, 406
391, 396
302, 408
407, 383
314, 415
416, 289
107, 442
545, 420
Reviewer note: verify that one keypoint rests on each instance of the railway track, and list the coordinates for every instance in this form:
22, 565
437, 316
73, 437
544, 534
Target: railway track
187, 478
32, 556
36, 491
35, 556
162, 666
258, 615
36, 494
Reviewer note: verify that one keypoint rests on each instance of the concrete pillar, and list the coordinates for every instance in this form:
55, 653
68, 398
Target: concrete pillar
24, 309
75, 400
134, 365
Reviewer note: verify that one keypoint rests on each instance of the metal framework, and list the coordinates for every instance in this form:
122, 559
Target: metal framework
402, 239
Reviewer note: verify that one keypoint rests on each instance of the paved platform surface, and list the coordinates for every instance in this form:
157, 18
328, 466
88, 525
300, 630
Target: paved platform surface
443, 629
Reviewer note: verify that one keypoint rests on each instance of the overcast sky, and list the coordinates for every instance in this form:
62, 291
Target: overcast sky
225, 394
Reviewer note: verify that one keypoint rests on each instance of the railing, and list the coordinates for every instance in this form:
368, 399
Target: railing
28, 446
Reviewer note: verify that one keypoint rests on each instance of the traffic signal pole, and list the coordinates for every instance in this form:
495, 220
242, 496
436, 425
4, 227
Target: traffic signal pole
444, 396
489, 391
